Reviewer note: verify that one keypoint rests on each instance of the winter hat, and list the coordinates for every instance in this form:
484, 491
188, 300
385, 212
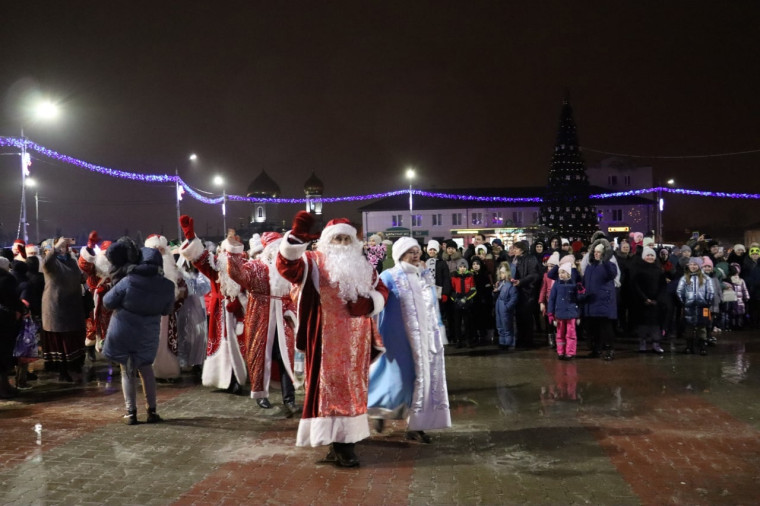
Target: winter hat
567, 259
376, 238
401, 246
712, 242
521, 245
451, 244
255, 245
497, 241
685, 248
696, 260
754, 251
576, 246
648, 251
738, 247
31, 250
566, 267
462, 263
268, 238
554, 258
476, 260
647, 241
19, 247
433, 244
5, 264
480, 248
706, 261
638, 237
335, 227
664, 250
565, 241
156, 241
599, 247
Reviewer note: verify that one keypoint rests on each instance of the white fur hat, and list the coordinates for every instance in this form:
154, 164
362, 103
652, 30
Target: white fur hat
432, 243
480, 248
232, 247
156, 241
255, 245
335, 227
403, 245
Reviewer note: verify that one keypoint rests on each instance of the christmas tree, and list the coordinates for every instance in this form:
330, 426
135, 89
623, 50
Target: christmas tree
566, 208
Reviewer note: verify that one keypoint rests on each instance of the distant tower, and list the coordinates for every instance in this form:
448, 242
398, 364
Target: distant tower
262, 187
313, 188
566, 207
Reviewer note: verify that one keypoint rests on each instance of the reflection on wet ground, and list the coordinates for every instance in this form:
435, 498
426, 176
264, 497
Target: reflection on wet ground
528, 428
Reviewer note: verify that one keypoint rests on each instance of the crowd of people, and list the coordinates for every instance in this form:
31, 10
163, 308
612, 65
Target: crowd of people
364, 327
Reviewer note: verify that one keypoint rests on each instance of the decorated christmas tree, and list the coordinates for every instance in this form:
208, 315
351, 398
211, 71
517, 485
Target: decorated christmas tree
566, 208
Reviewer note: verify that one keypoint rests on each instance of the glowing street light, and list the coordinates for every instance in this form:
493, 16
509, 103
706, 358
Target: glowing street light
661, 208
32, 183
410, 176
45, 110
219, 181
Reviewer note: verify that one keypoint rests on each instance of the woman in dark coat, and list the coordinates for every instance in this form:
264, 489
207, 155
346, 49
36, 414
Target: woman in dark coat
138, 301
648, 287
600, 309
63, 316
11, 309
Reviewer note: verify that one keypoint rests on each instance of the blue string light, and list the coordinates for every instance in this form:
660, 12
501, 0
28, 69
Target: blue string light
166, 178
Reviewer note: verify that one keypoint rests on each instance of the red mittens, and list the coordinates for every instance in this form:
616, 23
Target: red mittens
188, 227
302, 223
93, 239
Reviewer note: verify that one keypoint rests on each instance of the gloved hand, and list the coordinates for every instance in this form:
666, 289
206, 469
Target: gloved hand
188, 227
93, 239
552, 321
302, 223
236, 308
444, 298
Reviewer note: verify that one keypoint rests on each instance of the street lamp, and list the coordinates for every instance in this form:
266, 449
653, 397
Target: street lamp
46, 111
31, 183
181, 191
219, 181
410, 176
661, 208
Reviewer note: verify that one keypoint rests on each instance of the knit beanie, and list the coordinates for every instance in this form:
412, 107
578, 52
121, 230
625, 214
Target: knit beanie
554, 258
567, 259
566, 267
696, 260
706, 261
433, 244
648, 251
738, 247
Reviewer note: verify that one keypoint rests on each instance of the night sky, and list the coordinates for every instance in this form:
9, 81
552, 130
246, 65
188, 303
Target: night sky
469, 93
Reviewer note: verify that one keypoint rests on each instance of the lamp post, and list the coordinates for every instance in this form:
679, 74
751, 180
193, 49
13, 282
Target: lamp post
219, 181
661, 208
45, 110
180, 191
410, 176
33, 184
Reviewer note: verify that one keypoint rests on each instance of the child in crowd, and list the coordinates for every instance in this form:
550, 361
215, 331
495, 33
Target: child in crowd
463, 293
695, 293
543, 296
506, 302
564, 311
712, 328
739, 308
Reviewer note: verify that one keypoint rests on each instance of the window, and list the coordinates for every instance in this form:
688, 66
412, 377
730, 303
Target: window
612, 180
535, 217
416, 220
477, 218
397, 220
617, 215
627, 180
497, 218
456, 219
437, 221
517, 217
260, 212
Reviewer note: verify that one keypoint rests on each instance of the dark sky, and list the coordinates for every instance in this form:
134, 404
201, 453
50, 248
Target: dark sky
467, 92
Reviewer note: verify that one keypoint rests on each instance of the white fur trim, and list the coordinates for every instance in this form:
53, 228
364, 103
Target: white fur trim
341, 228
332, 429
232, 248
378, 301
156, 241
192, 250
291, 251
90, 259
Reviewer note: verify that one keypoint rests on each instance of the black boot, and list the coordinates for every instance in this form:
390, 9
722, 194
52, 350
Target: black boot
552, 344
344, 454
131, 417
153, 416
689, 347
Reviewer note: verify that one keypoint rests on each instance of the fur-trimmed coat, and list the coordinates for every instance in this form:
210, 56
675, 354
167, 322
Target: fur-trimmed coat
599, 280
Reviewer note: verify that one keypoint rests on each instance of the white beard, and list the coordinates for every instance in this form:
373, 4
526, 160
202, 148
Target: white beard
102, 265
226, 285
349, 270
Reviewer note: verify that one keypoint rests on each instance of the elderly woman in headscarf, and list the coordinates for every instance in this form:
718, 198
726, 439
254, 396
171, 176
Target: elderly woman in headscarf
63, 311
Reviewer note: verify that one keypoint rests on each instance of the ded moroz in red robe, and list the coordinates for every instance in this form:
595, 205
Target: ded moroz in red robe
338, 341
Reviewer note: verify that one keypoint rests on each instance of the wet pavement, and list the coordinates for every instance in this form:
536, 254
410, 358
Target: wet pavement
642, 429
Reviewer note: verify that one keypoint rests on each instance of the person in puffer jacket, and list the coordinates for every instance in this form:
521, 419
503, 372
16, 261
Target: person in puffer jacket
600, 308
695, 292
564, 311
138, 301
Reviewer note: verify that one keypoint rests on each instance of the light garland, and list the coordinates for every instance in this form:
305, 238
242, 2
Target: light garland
165, 178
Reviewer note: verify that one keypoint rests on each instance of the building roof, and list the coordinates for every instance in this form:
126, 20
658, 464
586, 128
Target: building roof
401, 202
263, 186
313, 185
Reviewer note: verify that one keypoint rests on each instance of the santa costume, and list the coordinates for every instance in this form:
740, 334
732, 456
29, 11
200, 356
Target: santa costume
224, 366
339, 294
267, 334
166, 365
96, 267
19, 250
